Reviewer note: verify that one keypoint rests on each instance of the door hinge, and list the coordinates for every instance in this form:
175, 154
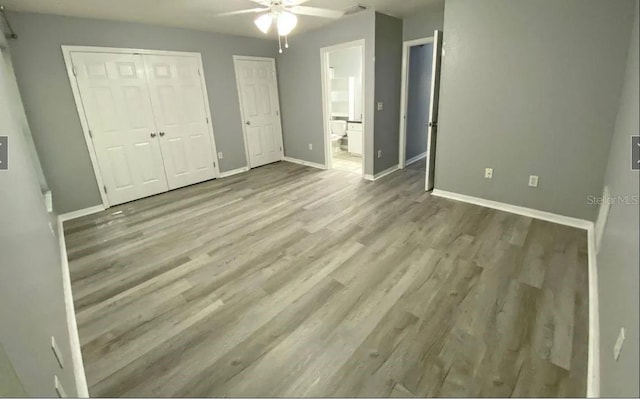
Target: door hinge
90, 133
214, 164
75, 73
105, 189
199, 73
207, 119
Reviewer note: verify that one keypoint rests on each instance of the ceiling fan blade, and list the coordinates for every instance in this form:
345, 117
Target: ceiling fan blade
291, 3
316, 12
239, 12
265, 3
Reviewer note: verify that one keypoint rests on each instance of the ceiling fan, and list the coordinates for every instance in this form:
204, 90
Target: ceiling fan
283, 14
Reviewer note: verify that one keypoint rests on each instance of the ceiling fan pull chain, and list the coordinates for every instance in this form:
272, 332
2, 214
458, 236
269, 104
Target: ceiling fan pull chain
286, 41
280, 43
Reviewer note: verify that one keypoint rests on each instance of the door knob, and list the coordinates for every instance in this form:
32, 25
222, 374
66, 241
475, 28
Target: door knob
153, 135
248, 123
161, 134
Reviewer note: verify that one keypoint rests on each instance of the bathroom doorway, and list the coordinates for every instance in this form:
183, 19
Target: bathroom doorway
343, 106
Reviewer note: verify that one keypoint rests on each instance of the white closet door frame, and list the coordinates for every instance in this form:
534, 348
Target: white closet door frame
66, 52
279, 114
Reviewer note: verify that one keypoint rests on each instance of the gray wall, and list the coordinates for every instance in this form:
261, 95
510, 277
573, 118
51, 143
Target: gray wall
32, 305
531, 88
388, 76
300, 86
51, 111
618, 258
10, 385
422, 23
418, 99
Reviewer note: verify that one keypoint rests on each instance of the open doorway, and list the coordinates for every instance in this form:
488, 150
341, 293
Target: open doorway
343, 106
419, 105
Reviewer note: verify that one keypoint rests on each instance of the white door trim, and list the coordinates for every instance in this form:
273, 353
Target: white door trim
66, 53
402, 155
326, 112
278, 113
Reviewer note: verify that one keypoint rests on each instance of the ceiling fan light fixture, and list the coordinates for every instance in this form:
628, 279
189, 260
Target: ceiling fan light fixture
286, 22
263, 22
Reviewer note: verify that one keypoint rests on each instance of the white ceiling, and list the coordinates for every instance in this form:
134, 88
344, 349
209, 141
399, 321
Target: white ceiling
201, 14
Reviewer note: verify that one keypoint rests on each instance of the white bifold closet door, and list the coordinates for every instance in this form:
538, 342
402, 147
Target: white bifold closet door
147, 120
178, 105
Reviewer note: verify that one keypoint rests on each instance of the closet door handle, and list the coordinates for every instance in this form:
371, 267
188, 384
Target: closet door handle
161, 134
153, 135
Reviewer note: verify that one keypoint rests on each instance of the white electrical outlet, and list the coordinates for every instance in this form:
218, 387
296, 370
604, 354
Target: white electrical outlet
379, 153
533, 181
488, 173
310, 147
56, 352
380, 105
617, 348
59, 388
220, 156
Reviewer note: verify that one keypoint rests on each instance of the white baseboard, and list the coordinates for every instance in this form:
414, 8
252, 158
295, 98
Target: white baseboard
382, 174
519, 210
305, 163
415, 159
233, 172
72, 326
81, 212
593, 362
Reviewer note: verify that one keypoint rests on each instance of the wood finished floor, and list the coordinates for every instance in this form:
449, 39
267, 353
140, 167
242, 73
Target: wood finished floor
293, 281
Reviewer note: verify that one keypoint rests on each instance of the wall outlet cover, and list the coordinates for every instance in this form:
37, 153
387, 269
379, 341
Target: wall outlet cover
310, 147
533, 181
488, 173
59, 388
380, 106
220, 156
379, 153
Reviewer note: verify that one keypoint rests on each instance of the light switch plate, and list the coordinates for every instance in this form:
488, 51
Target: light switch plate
310, 147
617, 348
380, 106
533, 181
220, 155
56, 352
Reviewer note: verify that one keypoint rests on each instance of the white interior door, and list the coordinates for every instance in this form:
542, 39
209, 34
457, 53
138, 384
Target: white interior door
432, 133
258, 91
115, 97
178, 105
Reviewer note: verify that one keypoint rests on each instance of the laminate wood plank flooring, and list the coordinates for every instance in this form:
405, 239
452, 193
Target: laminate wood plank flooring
293, 281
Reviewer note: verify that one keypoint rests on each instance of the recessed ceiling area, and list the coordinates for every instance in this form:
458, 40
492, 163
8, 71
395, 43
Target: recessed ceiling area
203, 14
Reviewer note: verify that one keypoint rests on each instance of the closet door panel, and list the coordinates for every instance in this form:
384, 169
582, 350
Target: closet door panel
178, 103
115, 97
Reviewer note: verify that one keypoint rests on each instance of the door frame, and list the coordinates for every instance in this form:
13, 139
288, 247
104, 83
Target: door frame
66, 53
404, 97
242, 119
326, 112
